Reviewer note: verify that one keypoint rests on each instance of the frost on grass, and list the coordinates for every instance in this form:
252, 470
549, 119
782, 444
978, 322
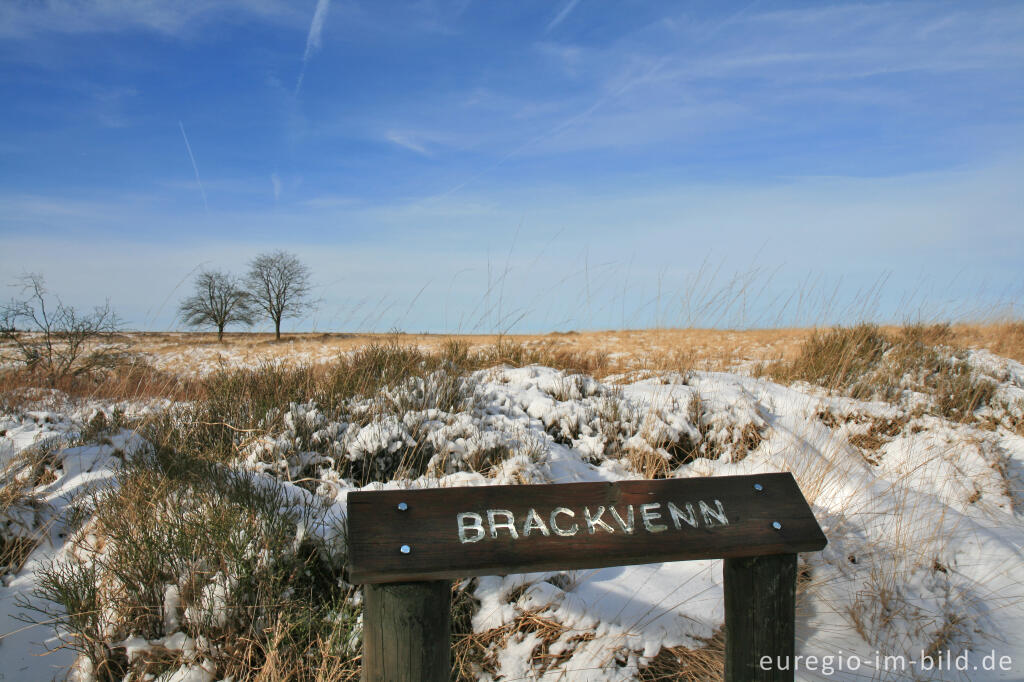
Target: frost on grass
919, 499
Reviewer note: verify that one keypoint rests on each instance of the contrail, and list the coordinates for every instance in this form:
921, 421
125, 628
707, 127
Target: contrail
316, 27
560, 17
194, 166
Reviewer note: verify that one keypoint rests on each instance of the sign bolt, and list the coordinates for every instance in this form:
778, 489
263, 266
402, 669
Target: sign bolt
405, 549
776, 525
402, 506
758, 487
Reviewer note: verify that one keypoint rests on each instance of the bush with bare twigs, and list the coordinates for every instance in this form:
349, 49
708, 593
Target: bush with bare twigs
55, 340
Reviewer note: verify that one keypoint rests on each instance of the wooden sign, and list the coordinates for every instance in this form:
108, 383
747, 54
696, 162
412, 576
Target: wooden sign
442, 533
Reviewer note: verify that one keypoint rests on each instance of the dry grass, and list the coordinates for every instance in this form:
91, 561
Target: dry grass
130, 379
476, 653
598, 353
230, 405
868, 362
1003, 338
23, 521
690, 664
268, 606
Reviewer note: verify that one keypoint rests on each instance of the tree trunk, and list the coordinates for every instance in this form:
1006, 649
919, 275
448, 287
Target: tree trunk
220, 333
277, 329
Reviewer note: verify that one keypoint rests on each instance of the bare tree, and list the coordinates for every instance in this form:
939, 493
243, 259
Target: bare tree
219, 300
57, 340
279, 285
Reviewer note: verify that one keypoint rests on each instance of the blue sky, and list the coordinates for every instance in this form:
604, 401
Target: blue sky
532, 166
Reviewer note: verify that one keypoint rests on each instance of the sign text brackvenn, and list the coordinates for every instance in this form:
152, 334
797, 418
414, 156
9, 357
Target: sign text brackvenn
430, 534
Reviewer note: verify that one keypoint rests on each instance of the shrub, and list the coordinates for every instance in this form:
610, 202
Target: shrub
56, 340
224, 556
229, 407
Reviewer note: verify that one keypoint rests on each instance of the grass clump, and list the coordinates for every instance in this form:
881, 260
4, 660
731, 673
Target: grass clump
475, 654
663, 450
1005, 339
838, 358
867, 362
692, 664
299, 418
23, 518
377, 366
549, 354
226, 558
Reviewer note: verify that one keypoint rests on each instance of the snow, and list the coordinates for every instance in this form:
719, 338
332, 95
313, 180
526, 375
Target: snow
925, 531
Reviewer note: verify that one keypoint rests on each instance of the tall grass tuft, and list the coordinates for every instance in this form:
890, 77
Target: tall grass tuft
225, 557
866, 362
23, 523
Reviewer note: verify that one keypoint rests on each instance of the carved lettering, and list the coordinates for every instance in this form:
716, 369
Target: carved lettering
649, 516
677, 515
554, 524
509, 524
474, 526
708, 513
468, 521
533, 520
626, 525
595, 520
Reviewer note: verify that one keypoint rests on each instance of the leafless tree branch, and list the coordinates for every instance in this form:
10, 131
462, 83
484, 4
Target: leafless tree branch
57, 340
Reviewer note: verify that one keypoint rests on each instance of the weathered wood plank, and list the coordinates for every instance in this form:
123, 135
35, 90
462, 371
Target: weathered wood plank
407, 632
760, 618
517, 529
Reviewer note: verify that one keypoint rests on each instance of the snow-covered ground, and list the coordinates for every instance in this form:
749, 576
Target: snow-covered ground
923, 515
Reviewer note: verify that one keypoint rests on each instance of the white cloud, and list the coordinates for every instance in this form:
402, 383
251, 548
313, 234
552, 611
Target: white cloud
171, 17
673, 82
275, 180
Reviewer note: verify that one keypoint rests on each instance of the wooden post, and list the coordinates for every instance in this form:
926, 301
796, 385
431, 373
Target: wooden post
407, 631
760, 617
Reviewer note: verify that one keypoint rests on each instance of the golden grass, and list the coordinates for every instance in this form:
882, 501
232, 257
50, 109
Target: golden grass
696, 664
168, 364
709, 349
632, 349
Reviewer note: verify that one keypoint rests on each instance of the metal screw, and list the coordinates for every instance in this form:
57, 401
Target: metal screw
758, 487
405, 549
402, 506
776, 525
